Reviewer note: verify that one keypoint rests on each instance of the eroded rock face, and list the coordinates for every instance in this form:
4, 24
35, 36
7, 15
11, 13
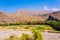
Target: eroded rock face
55, 16
28, 15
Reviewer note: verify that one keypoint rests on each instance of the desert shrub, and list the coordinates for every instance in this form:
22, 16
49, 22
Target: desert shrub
11, 24
37, 35
39, 28
27, 27
17, 23
4, 24
13, 37
48, 28
25, 37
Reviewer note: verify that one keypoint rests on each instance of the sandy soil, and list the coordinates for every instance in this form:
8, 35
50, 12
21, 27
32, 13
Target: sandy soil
46, 35
51, 36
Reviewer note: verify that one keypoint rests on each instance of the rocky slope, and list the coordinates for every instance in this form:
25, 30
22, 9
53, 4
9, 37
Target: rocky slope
28, 15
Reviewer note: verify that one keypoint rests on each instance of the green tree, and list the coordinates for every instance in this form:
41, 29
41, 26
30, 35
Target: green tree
54, 24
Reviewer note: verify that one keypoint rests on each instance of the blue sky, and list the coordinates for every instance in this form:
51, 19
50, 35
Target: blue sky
13, 5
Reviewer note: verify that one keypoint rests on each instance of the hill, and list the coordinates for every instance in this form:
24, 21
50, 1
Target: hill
28, 15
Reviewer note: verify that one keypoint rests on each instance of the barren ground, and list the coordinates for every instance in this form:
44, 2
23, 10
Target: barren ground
47, 36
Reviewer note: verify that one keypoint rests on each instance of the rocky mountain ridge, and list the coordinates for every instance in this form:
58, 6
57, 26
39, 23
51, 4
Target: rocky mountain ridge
28, 15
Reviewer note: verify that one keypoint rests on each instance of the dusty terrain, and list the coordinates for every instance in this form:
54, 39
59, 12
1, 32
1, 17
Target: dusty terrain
46, 35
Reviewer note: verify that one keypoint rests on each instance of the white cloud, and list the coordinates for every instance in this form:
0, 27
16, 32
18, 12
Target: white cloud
52, 9
55, 9
45, 8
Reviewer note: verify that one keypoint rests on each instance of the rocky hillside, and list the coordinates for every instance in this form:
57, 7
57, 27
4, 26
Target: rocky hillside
28, 15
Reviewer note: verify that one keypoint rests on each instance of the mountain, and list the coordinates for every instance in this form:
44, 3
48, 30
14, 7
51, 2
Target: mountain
28, 15
32, 12
54, 16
